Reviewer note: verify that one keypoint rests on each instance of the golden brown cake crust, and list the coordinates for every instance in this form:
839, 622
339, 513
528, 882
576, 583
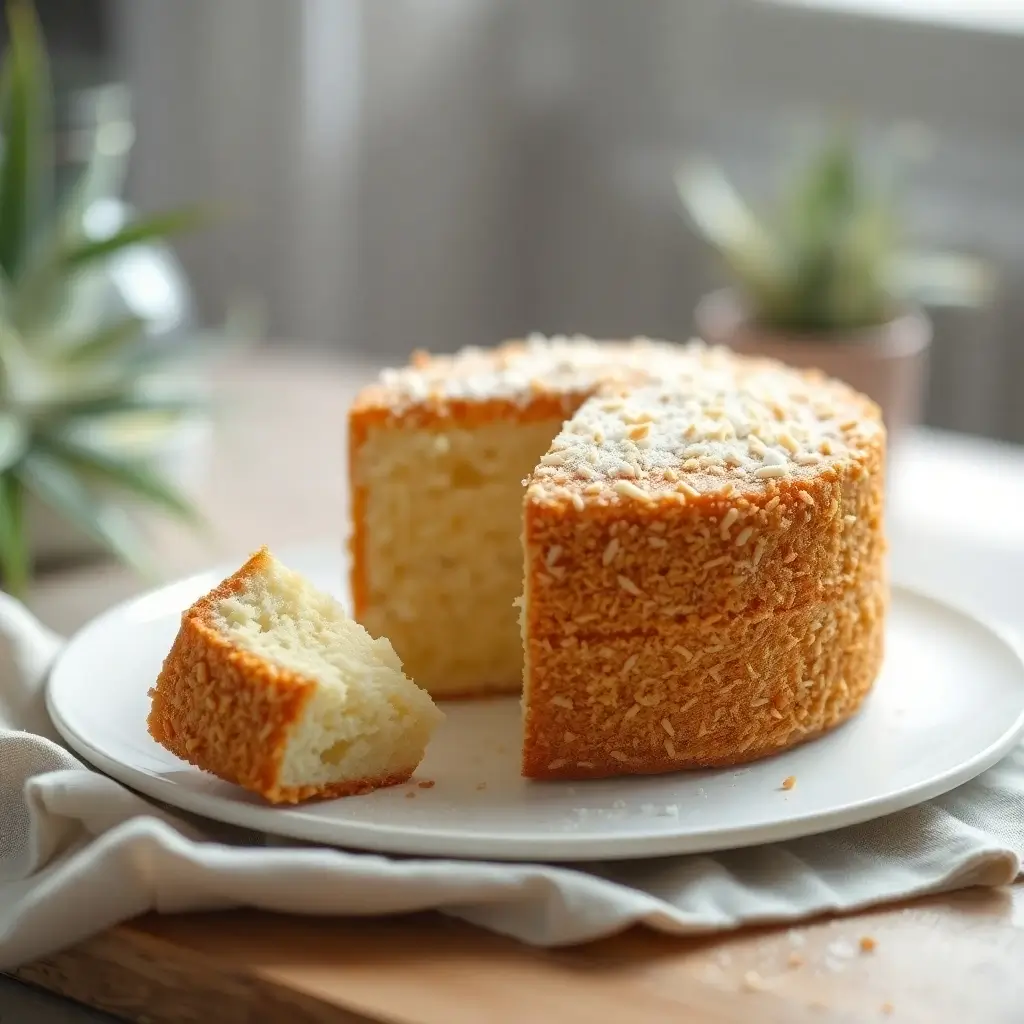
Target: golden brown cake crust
677, 561
674, 701
228, 711
677, 619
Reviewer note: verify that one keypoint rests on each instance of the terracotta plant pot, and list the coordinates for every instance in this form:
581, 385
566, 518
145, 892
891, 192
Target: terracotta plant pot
889, 363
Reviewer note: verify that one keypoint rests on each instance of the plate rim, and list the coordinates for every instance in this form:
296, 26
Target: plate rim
432, 842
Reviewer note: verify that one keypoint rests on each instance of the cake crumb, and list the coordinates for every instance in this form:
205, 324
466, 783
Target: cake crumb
887, 1008
789, 782
839, 950
410, 795
753, 982
867, 944
795, 960
426, 784
481, 785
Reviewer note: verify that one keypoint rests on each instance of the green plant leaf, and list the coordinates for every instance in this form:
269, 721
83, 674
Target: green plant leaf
63, 261
727, 223
860, 293
111, 403
13, 356
942, 279
44, 288
719, 212
106, 342
13, 440
133, 476
826, 192
26, 166
159, 226
828, 258
105, 165
62, 490
15, 563
23, 380
5, 296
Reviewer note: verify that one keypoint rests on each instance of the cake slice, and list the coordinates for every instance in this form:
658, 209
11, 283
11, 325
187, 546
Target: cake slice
271, 686
705, 575
437, 456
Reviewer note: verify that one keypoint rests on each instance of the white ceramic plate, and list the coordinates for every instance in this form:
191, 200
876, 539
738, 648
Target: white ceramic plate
948, 705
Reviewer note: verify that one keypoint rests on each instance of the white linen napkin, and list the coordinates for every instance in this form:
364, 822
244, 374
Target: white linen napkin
79, 853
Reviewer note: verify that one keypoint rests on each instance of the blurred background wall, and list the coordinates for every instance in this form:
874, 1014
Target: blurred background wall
434, 173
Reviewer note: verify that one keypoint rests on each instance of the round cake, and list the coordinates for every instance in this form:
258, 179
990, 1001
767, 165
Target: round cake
698, 559
705, 571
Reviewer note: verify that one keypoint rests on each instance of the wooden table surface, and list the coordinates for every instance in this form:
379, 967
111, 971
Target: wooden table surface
276, 477
952, 959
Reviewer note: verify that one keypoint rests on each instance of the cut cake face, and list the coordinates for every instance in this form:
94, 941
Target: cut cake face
437, 456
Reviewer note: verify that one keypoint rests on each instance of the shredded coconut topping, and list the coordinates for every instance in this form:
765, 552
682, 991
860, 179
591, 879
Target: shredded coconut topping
520, 370
714, 416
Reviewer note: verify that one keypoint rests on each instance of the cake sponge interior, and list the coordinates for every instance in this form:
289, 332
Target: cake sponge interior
365, 719
439, 528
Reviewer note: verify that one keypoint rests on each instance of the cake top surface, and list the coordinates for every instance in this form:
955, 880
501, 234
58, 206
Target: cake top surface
518, 371
721, 425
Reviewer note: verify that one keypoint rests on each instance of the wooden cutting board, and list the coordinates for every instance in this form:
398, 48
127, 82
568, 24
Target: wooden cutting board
958, 958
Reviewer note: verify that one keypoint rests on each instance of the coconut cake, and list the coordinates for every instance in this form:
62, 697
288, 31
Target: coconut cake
704, 571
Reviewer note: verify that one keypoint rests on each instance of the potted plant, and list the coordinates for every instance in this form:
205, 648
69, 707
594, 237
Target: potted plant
94, 419
823, 280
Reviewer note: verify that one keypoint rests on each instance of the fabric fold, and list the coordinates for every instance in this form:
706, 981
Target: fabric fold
79, 853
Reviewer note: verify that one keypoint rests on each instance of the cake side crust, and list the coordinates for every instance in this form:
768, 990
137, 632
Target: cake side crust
676, 558
705, 572
230, 712
604, 705
223, 710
